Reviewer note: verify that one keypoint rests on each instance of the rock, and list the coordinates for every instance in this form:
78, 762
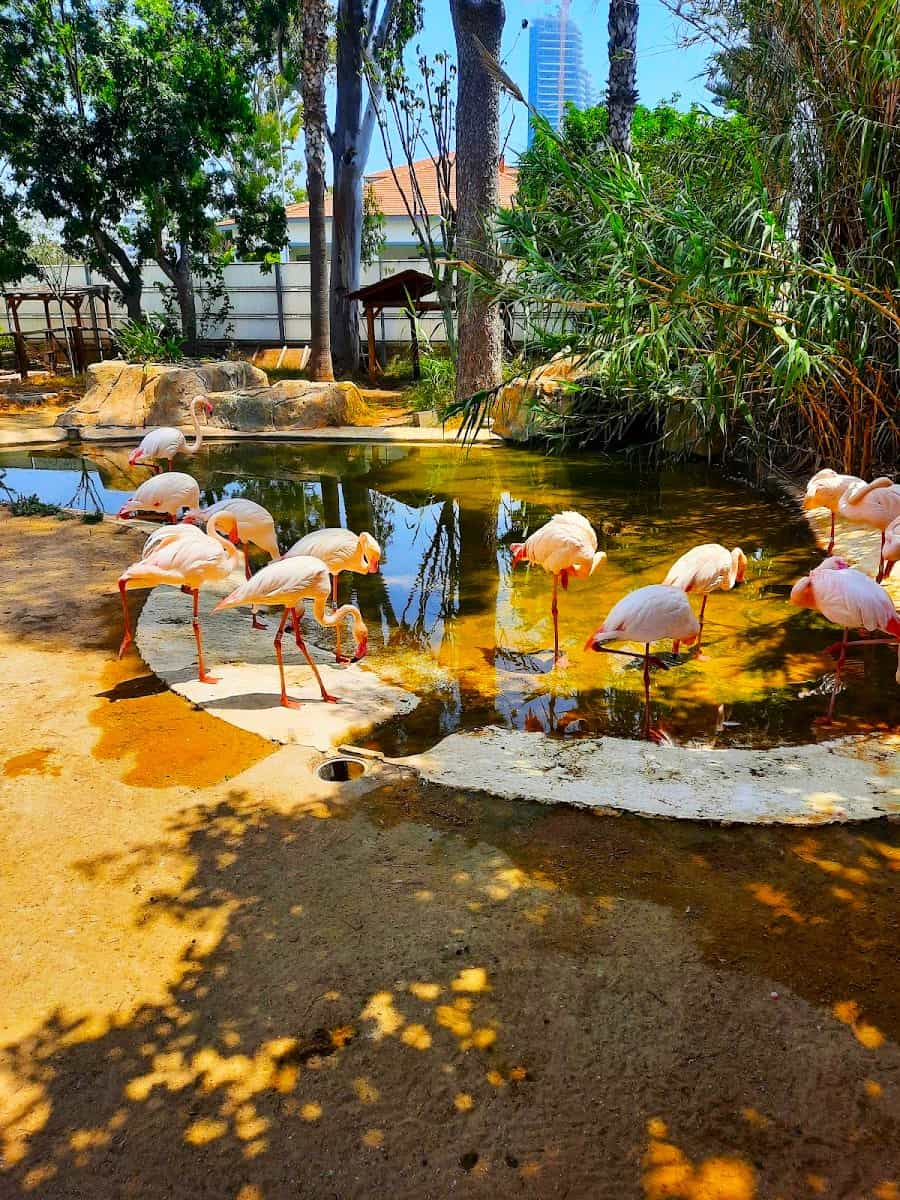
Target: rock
282, 358
290, 404
427, 419
144, 395
545, 385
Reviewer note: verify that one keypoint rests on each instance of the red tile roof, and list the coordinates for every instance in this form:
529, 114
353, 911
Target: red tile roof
390, 196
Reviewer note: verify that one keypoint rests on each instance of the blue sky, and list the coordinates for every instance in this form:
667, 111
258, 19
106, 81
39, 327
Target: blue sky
663, 66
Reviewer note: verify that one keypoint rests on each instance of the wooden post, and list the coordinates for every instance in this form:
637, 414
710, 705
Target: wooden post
12, 306
78, 349
21, 350
370, 334
414, 337
279, 301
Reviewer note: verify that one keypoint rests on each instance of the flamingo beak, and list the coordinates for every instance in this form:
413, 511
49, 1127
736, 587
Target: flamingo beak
209, 409
124, 513
362, 648
589, 644
373, 566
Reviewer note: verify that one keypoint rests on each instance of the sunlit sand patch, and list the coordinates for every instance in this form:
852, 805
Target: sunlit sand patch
373, 1138
668, 1173
848, 1013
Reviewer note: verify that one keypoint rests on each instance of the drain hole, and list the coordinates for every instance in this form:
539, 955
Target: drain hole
340, 770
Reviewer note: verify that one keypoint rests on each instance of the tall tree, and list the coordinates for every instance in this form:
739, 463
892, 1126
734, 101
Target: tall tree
621, 92
363, 36
312, 30
478, 26
116, 113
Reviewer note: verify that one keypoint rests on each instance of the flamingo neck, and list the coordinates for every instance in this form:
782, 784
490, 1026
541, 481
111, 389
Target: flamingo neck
212, 528
324, 617
198, 432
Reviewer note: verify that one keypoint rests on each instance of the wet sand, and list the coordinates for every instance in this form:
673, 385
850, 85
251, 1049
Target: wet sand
221, 981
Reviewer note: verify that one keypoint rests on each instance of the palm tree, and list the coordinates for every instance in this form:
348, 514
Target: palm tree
478, 25
621, 92
312, 29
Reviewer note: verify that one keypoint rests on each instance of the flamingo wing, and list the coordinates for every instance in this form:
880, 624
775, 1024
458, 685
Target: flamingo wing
649, 614
281, 582
334, 547
852, 600
702, 569
163, 443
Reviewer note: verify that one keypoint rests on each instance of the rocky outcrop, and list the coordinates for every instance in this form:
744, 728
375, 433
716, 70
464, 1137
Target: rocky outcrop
291, 404
545, 385
139, 395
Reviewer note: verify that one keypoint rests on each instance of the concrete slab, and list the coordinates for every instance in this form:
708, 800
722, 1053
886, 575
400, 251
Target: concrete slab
32, 436
247, 694
849, 779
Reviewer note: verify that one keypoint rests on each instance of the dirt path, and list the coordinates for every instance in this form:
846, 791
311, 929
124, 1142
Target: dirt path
220, 981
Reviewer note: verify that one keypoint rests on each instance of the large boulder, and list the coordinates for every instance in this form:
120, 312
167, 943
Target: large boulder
550, 384
290, 404
143, 395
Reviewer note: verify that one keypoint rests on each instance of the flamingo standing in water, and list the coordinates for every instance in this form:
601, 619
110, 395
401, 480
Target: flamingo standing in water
566, 545
826, 490
875, 505
648, 615
288, 583
848, 598
340, 550
162, 445
181, 559
247, 524
168, 493
705, 569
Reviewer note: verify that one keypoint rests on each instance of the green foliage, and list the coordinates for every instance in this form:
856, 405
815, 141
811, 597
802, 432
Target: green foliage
436, 389
373, 228
704, 308
32, 506
149, 340
15, 261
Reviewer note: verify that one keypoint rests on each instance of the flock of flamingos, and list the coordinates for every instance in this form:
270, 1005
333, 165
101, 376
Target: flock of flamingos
182, 555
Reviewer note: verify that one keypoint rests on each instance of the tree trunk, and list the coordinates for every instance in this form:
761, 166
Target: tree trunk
621, 94
187, 301
479, 326
349, 156
313, 66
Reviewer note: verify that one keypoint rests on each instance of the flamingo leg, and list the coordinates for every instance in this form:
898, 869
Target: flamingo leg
831, 539
554, 608
701, 619
315, 670
286, 701
881, 570
127, 638
198, 637
256, 620
338, 656
838, 670
647, 691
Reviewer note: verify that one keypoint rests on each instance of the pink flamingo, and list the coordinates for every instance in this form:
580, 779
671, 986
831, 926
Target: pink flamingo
848, 598
875, 505
168, 493
649, 614
705, 569
161, 445
890, 550
340, 550
247, 524
287, 583
184, 560
566, 545
826, 490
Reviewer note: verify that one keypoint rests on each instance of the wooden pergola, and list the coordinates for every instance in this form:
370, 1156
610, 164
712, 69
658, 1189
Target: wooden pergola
74, 298
404, 291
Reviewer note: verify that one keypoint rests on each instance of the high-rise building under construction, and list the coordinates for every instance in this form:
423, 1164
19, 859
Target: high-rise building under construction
556, 72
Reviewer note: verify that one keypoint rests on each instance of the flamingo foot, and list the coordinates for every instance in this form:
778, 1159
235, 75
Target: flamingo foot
287, 702
825, 721
700, 656
561, 663
126, 642
659, 737
257, 623
329, 699
203, 677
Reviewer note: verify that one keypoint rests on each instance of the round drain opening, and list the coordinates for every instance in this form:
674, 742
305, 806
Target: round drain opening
340, 770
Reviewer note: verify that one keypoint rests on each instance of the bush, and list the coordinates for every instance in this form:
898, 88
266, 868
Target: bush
32, 506
150, 340
437, 387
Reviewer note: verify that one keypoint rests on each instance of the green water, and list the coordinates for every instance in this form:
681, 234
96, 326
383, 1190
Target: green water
450, 620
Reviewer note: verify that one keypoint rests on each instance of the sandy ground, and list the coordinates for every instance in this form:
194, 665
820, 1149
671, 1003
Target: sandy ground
222, 980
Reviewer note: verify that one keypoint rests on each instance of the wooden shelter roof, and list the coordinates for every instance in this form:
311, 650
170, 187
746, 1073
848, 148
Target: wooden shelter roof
396, 290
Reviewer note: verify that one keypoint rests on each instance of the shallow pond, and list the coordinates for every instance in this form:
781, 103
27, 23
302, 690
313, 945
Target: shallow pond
452, 622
